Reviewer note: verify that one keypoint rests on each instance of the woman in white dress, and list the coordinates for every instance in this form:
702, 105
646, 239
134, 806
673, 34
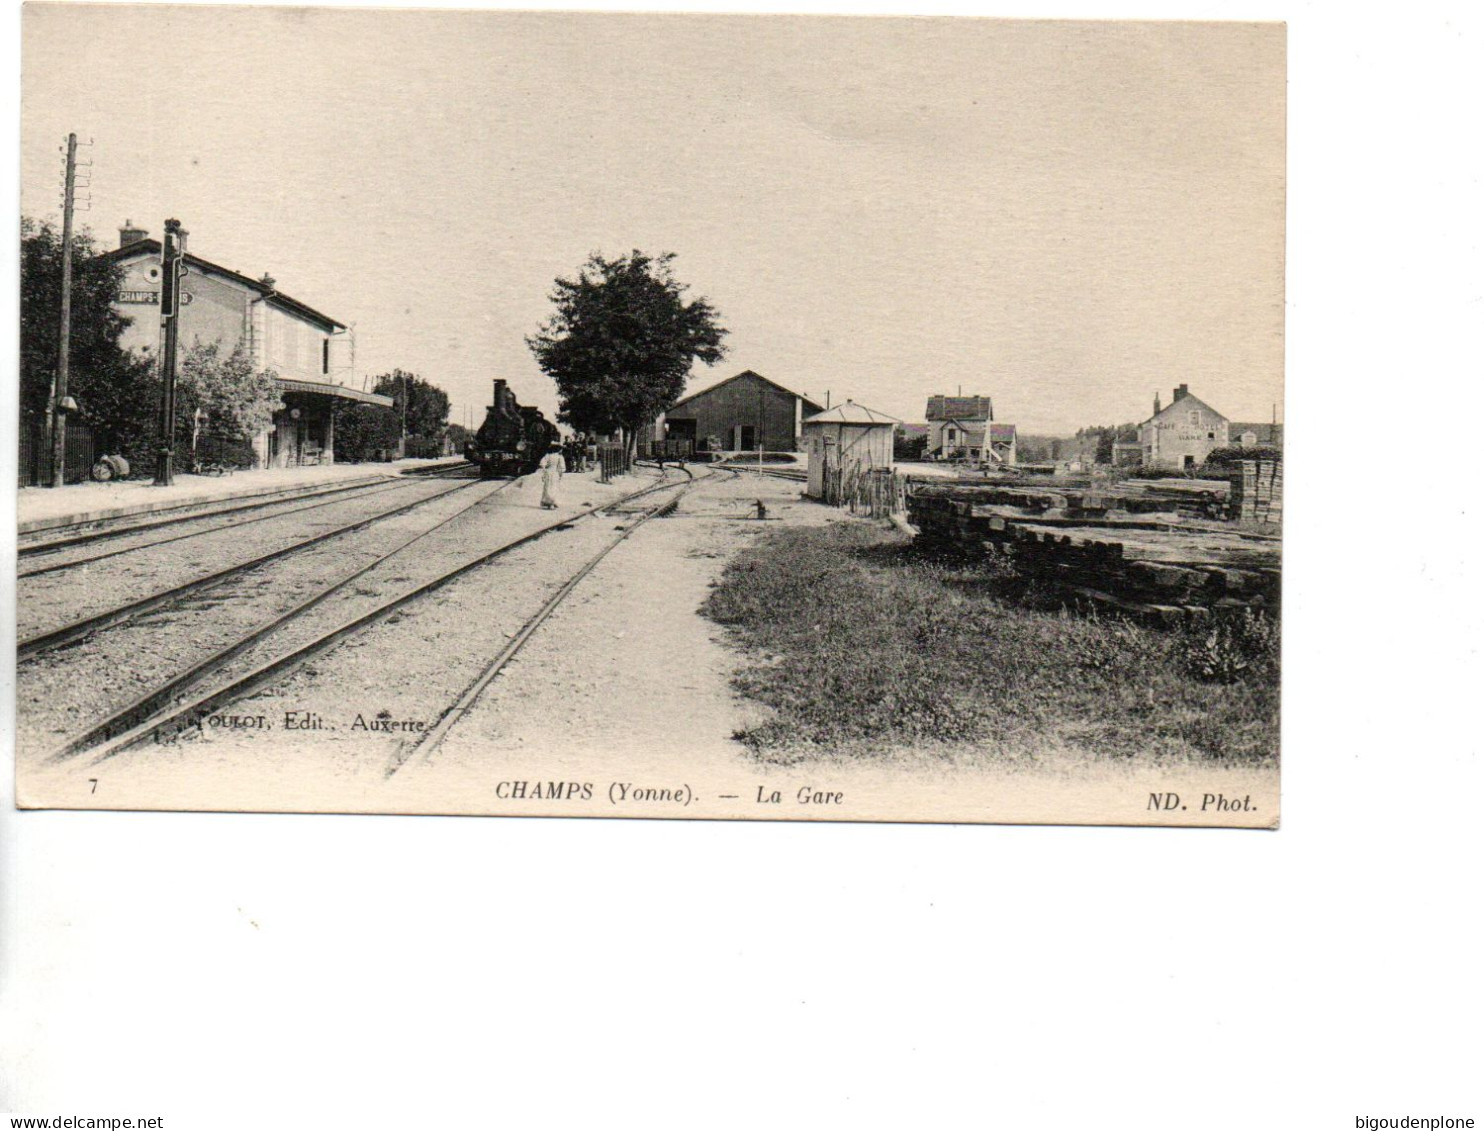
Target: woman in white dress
552, 465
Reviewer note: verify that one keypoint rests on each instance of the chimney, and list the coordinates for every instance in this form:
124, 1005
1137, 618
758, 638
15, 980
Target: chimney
1156, 404
130, 234
1180, 391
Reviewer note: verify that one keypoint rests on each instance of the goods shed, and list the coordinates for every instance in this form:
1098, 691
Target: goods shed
745, 413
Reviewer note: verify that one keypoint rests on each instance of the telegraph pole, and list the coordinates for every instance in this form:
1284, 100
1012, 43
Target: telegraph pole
761, 389
172, 267
59, 394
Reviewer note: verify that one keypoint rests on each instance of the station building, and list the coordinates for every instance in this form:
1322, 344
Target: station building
308, 350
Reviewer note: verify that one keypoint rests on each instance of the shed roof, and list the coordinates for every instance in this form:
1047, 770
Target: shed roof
737, 377
851, 413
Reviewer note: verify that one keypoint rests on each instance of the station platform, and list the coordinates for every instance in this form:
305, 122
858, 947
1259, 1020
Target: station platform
45, 508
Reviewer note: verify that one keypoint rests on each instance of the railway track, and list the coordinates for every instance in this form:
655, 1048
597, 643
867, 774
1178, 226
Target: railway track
794, 474
85, 626
104, 530
432, 738
362, 491
176, 704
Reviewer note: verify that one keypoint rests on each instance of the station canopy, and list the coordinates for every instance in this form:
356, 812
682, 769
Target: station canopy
324, 388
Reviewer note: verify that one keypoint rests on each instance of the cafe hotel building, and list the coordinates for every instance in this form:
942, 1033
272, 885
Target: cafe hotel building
309, 351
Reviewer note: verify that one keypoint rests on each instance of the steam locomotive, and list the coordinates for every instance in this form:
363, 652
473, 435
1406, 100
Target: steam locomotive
512, 439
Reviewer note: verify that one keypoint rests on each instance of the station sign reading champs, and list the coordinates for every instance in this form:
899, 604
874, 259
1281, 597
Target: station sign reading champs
151, 298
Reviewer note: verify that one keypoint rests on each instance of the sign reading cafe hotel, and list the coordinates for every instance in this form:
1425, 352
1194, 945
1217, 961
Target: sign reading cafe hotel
666, 489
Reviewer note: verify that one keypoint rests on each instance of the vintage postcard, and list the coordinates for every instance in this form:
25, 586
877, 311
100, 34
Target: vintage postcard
553, 414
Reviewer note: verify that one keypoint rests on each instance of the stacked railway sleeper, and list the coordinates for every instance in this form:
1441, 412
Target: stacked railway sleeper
1192, 498
1135, 554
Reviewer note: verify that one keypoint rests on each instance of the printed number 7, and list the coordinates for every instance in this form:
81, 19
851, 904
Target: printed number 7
95, 785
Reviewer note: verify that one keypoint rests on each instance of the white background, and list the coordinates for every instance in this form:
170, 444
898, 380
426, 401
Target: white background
221, 970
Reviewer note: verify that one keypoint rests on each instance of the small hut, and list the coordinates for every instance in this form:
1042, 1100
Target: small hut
844, 443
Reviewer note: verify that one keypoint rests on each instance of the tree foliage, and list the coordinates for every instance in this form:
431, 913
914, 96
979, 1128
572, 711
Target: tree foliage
622, 341
222, 394
364, 431
116, 391
1235, 454
427, 404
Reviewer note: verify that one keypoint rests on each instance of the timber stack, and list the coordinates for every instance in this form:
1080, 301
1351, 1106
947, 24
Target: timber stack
1136, 552
1257, 493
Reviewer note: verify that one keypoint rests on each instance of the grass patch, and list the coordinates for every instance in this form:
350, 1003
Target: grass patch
865, 646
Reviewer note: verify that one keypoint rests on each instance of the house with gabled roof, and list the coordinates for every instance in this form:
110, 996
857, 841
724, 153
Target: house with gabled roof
1181, 435
744, 413
965, 428
307, 350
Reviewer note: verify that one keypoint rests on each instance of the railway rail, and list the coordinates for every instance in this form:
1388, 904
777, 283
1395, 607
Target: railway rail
289, 507
174, 705
85, 626
57, 538
432, 738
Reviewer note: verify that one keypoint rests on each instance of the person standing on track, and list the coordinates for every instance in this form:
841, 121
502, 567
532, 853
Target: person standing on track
552, 465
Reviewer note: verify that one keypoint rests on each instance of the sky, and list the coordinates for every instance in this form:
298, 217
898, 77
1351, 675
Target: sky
1066, 217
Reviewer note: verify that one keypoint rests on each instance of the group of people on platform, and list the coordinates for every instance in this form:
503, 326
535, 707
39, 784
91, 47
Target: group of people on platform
579, 452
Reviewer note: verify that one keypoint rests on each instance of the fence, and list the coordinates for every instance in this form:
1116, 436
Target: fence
424, 447
36, 451
877, 492
215, 455
672, 449
613, 459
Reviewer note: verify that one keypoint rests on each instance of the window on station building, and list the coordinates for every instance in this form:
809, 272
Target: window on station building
324, 365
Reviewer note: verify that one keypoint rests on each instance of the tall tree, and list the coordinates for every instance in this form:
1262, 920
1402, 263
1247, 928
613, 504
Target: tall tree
622, 341
116, 391
427, 404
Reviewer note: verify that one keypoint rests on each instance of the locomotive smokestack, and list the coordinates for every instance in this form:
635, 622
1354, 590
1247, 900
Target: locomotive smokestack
499, 389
